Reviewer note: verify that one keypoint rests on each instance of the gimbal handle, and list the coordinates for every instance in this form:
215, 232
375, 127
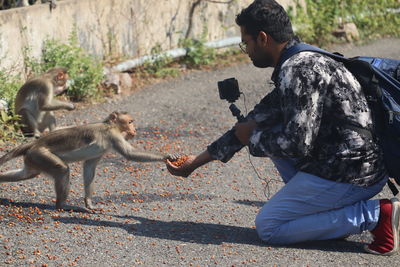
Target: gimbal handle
236, 112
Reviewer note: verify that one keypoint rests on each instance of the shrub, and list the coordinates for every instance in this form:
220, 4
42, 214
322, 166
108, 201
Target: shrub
197, 52
85, 71
373, 18
159, 64
9, 86
9, 126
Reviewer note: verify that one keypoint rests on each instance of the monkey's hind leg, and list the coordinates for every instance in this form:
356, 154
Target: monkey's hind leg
51, 164
29, 124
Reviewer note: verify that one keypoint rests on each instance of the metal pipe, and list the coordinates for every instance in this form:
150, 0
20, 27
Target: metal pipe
174, 53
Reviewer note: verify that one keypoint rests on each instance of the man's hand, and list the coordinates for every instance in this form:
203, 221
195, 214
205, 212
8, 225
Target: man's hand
183, 170
191, 164
243, 131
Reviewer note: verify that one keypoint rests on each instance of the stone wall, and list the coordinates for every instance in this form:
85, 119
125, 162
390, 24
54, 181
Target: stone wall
129, 28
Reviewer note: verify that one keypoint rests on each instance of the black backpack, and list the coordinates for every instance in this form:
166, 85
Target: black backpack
380, 81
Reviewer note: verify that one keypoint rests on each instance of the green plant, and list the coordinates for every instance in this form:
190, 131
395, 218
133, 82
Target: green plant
32, 66
9, 126
158, 64
316, 22
85, 71
374, 18
9, 86
197, 52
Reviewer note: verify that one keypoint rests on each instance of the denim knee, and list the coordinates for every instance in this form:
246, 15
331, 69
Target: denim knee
264, 227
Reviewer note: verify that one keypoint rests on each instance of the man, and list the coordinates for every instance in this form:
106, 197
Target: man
330, 171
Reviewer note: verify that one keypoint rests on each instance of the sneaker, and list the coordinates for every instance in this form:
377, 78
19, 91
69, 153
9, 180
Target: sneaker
386, 233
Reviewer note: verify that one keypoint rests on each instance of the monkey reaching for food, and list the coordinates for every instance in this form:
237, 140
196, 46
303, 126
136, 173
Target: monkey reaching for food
35, 101
88, 143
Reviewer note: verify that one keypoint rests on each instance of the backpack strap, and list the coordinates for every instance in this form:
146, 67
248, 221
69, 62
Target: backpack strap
301, 47
392, 187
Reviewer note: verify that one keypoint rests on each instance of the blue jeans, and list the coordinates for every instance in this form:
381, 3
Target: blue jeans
312, 208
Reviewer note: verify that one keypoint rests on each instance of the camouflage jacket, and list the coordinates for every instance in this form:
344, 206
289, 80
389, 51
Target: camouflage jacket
314, 99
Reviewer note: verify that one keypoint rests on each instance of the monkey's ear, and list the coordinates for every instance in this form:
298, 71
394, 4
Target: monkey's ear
61, 76
113, 117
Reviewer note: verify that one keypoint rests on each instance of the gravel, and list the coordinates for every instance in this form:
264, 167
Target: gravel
148, 217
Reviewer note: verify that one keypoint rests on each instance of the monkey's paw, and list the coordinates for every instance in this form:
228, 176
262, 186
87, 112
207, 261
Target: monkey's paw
172, 157
89, 207
71, 107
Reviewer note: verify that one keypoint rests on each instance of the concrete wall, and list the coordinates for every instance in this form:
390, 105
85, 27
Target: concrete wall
129, 28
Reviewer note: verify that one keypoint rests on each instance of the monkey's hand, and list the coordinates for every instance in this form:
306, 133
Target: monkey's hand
71, 106
172, 157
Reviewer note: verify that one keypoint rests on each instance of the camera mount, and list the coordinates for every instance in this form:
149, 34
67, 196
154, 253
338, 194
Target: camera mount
229, 90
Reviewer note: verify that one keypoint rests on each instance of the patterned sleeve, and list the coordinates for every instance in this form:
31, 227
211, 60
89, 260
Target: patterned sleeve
302, 84
265, 113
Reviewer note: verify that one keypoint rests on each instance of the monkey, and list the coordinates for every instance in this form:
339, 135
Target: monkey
35, 102
51, 153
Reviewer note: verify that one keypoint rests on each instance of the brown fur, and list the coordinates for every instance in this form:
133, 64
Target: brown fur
51, 153
35, 101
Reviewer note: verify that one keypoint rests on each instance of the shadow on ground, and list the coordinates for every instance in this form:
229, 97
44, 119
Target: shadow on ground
206, 233
192, 232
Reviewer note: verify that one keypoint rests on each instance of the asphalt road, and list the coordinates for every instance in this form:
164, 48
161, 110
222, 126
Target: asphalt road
148, 217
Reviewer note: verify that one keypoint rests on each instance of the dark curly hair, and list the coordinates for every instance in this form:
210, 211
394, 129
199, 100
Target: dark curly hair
267, 16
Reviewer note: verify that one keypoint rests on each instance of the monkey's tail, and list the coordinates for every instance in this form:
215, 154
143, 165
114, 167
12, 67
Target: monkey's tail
16, 152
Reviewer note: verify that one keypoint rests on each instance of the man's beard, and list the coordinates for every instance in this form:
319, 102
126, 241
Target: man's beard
263, 60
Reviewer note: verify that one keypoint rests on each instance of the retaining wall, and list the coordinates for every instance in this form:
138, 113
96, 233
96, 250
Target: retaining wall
114, 28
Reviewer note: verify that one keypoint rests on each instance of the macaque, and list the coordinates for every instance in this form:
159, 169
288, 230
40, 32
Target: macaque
51, 153
35, 101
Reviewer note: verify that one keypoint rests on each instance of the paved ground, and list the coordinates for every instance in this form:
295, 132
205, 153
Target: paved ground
150, 218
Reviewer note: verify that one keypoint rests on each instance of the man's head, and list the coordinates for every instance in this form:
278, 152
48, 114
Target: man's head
264, 24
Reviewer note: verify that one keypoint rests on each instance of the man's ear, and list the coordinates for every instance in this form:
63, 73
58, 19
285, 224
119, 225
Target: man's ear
262, 38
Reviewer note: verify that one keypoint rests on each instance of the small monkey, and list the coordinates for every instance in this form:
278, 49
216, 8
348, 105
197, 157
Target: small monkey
88, 143
35, 101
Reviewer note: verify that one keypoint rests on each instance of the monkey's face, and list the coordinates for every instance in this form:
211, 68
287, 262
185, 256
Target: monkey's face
126, 126
60, 82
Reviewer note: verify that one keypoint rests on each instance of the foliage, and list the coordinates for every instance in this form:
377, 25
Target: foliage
198, 53
316, 22
9, 126
9, 86
374, 18
159, 63
84, 70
